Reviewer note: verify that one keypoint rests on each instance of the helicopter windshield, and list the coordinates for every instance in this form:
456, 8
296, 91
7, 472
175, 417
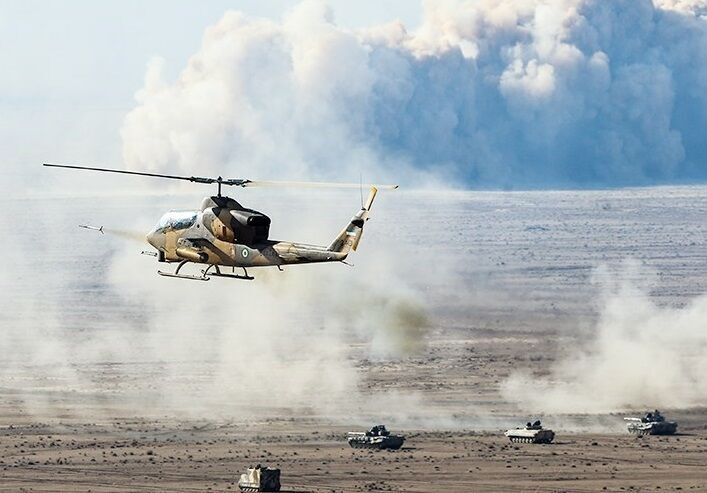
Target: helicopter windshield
176, 220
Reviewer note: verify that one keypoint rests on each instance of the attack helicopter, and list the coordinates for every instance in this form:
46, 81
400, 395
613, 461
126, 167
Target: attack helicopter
223, 233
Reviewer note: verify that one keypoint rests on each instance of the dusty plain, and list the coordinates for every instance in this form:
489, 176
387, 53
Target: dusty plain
163, 454
527, 273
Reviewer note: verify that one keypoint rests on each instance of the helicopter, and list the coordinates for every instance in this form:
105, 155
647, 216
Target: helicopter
223, 233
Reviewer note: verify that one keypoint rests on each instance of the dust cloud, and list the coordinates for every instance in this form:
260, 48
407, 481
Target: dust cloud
282, 341
223, 349
640, 355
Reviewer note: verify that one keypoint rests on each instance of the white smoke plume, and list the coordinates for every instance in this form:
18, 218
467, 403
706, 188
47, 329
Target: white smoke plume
639, 355
484, 93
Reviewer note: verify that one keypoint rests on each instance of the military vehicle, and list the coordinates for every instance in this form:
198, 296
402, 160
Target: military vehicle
651, 424
531, 433
378, 438
260, 478
223, 233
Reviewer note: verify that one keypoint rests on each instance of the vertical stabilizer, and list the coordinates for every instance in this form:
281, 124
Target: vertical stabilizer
350, 236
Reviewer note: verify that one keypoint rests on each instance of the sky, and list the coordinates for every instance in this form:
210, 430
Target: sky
470, 94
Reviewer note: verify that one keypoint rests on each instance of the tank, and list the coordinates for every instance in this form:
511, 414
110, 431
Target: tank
378, 438
651, 424
531, 433
260, 478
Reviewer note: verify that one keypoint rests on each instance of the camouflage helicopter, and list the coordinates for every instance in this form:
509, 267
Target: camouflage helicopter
223, 233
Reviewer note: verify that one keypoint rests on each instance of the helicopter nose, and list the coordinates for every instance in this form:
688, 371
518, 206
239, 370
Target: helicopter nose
155, 239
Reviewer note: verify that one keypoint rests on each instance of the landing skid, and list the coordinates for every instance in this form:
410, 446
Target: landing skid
217, 273
205, 274
183, 276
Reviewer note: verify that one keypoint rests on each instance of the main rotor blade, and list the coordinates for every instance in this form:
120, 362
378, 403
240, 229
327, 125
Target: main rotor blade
195, 179
311, 184
238, 182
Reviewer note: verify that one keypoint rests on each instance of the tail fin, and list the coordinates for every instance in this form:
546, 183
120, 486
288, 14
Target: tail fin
349, 238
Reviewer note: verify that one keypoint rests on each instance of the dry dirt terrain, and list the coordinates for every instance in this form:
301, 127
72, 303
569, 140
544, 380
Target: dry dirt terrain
165, 454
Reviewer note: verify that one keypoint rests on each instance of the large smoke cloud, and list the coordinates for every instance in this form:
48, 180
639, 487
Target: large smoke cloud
485, 93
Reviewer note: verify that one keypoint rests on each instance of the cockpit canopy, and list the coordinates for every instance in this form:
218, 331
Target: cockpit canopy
176, 220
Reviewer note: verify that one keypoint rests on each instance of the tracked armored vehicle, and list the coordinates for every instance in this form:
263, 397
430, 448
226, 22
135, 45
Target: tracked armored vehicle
260, 478
531, 433
651, 424
378, 438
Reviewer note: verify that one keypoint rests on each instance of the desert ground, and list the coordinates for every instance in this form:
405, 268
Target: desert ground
506, 285
164, 454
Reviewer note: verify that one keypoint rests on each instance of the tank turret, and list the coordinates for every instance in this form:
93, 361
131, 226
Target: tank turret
652, 423
378, 437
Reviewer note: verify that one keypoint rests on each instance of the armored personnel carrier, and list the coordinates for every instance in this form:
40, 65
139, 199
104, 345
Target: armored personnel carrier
651, 424
532, 433
260, 478
376, 438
